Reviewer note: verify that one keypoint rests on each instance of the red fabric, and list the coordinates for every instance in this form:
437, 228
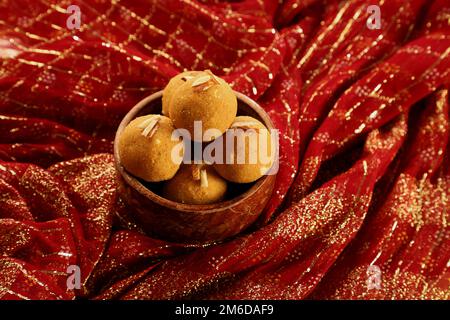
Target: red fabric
364, 175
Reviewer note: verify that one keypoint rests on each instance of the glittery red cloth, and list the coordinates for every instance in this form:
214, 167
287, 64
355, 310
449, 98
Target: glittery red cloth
364, 184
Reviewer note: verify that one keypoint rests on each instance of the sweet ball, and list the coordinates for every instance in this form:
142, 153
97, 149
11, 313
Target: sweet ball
248, 151
146, 148
195, 184
205, 98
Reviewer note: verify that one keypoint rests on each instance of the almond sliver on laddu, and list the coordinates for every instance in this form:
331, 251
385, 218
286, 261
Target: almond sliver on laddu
150, 129
201, 80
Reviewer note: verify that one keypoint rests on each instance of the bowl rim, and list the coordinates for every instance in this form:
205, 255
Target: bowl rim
197, 209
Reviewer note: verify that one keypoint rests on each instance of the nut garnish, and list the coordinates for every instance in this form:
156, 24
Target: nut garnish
144, 123
246, 125
201, 80
150, 126
204, 178
196, 172
203, 83
213, 76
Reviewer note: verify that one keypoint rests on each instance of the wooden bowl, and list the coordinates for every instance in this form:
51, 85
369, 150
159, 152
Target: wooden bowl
187, 223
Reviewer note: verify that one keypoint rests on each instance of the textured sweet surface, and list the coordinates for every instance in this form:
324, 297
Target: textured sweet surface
363, 116
172, 86
251, 154
194, 185
146, 146
204, 99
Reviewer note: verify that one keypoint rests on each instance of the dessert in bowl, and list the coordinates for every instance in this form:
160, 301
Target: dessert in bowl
196, 202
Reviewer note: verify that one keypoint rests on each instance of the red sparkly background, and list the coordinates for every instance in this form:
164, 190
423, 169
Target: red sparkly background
364, 182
